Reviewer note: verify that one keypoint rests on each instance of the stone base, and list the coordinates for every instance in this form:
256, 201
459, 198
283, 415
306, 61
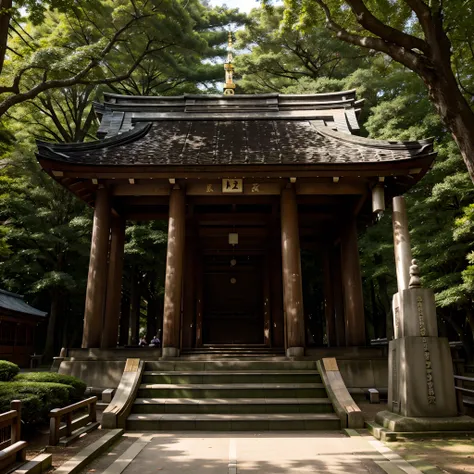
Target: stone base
389, 426
421, 380
169, 352
295, 352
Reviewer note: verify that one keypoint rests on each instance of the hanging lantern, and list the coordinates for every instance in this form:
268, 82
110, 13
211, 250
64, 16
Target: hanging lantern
378, 199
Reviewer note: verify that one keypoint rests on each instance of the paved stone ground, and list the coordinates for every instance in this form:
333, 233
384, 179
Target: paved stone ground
251, 453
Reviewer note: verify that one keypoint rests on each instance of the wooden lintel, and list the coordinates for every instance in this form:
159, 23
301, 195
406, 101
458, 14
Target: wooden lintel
150, 189
330, 188
251, 187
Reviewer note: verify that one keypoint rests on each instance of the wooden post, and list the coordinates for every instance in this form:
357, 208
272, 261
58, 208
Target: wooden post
329, 300
174, 273
352, 286
97, 279
338, 297
401, 241
291, 262
114, 284
16, 425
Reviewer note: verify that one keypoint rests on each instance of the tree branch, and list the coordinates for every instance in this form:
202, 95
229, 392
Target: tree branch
408, 58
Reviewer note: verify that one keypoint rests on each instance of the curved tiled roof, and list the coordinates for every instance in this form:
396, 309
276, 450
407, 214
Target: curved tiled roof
233, 142
14, 302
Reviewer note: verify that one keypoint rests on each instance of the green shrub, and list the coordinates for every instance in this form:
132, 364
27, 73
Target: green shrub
31, 405
49, 395
8, 370
78, 386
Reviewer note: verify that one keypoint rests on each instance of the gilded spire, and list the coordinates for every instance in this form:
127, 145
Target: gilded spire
229, 85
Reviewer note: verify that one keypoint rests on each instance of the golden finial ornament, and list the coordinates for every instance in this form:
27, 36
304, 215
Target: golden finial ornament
229, 85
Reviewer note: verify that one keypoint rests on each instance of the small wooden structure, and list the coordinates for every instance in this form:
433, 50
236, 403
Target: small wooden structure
246, 182
57, 430
18, 325
11, 447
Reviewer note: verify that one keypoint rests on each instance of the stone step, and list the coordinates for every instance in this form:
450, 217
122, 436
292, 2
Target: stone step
232, 405
229, 365
233, 422
233, 390
257, 376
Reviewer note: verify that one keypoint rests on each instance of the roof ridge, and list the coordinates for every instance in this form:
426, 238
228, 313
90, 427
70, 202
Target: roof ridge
424, 144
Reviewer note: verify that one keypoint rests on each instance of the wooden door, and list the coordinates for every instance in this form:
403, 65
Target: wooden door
233, 300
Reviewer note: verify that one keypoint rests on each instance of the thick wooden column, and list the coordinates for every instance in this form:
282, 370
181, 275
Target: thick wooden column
114, 284
291, 262
329, 310
174, 273
352, 286
97, 279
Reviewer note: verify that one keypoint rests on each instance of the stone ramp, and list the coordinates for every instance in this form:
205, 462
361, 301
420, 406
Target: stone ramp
232, 396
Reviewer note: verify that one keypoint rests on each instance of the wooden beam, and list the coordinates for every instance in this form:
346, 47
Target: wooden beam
330, 188
150, 189
213, 187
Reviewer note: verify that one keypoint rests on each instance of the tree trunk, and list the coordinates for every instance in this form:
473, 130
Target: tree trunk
5, 15
456, 114
48, 353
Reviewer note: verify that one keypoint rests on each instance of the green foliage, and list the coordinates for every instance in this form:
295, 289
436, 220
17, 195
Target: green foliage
281, 57
39, 398
8, 370
76, 386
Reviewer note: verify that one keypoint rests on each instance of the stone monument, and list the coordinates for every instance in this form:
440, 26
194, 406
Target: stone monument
421, 393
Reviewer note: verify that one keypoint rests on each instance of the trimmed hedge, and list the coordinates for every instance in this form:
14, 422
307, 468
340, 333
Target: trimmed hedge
78, 387
39, 398
8, 370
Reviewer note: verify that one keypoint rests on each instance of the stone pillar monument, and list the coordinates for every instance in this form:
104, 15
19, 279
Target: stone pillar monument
421, 394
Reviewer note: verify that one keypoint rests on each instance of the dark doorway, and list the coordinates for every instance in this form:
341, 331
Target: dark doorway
233, 300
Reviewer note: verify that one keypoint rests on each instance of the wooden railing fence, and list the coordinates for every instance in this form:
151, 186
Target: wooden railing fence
57, 429
11, 447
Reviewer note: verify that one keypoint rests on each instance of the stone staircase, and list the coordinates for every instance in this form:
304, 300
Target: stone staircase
232, 395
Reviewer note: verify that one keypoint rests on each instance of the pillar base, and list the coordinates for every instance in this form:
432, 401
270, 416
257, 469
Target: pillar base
169, 352
295, 352
389, 426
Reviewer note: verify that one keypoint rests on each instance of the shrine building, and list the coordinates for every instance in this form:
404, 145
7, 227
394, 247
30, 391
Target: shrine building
247, 183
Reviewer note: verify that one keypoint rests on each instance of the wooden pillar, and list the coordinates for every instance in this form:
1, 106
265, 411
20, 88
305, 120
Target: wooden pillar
329, 311
352, 286
114, 284
291, 262
338, 296
174, 273
124, 320
97, 279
